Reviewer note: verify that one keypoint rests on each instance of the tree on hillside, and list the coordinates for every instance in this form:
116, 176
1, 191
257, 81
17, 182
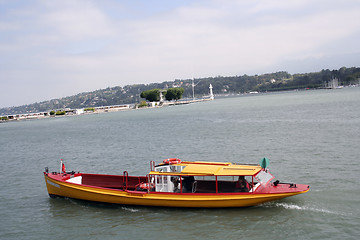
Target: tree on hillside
152, 95
174, 94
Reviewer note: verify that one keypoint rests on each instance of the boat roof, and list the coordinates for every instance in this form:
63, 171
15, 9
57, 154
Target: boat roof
214, 169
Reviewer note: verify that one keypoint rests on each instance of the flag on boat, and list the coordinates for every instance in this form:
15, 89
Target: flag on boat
63, 166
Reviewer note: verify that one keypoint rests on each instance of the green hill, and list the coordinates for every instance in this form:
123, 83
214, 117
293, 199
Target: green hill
221, 85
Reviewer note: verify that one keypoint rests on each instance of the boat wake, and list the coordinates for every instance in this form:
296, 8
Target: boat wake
297, 207
130, 209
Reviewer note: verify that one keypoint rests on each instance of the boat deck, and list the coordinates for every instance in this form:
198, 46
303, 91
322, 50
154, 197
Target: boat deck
101, 180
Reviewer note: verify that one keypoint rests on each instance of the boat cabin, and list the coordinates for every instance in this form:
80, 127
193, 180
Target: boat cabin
205, 177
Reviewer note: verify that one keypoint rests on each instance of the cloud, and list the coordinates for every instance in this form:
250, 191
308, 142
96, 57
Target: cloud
65, 47
75, 20
231, 39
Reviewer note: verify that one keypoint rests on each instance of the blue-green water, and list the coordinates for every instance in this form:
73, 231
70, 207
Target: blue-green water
310, 137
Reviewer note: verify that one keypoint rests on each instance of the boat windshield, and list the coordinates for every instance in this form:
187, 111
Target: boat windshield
264, 177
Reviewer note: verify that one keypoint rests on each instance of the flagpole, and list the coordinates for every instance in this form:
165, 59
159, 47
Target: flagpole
61, 164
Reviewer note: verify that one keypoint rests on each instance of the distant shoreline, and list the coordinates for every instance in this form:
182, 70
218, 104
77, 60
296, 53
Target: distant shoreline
223, 85
126, 107
94, 110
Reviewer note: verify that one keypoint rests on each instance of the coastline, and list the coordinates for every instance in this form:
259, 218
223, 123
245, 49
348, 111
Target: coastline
135, 106
95, 110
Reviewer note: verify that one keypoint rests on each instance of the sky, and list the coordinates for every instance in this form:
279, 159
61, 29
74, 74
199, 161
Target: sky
57, 48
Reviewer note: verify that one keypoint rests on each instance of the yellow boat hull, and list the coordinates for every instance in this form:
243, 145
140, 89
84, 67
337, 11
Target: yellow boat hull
97, 194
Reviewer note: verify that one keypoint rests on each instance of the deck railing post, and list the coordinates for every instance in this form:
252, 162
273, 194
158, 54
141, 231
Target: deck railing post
181, 186
125, 180
148, 180
252, 183
152, 165
216, 183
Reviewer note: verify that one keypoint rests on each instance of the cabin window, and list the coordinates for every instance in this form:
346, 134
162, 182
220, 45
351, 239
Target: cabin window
166, 183
226, 184
169, 168
227, 178
205, 178
162, 169
264, 177
205, 184
236, 183
174, 168
159, 180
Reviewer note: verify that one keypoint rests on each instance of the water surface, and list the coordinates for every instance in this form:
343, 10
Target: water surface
310, 137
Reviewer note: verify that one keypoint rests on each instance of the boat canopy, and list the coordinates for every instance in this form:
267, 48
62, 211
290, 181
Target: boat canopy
223, 169
216, 170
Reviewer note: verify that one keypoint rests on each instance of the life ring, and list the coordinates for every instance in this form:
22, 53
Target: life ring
172, 161
146, 185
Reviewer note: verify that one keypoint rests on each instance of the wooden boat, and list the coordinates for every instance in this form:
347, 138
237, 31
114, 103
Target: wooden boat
176, 183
